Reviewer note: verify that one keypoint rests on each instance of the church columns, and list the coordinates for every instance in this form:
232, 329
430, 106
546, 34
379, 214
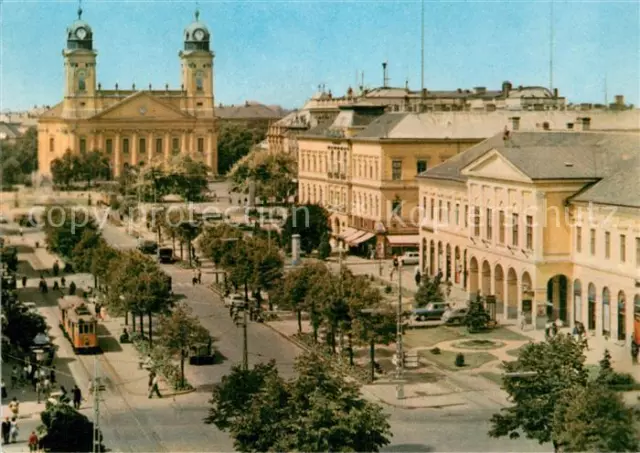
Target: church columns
209, 153
183, 143
150, 147
167, 148
134, 148
93, 145
118, 157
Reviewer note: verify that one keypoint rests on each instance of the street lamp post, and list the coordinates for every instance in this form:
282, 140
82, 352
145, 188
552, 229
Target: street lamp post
399, 351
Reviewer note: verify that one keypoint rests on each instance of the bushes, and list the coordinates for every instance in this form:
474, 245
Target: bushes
387, 289
460, 359
435, 351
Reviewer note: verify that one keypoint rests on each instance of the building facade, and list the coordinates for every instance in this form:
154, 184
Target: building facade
133, 126
546, 222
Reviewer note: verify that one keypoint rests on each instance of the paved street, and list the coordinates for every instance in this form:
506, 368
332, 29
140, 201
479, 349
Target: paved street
451, 429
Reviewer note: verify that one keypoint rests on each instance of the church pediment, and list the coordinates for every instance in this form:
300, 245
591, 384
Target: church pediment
141, 106
494, 165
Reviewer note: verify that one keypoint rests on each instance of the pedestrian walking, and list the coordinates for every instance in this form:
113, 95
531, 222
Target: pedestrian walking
6, 430
14, 406
24, 281
56, 268
64, 398
14, 430
77, 397
63, 282
199, 276
21, 232
56, 287
4, 390
15, 376
39, 392
417, 276
52, 374
154, 387
46, 388
72, 289
33, 442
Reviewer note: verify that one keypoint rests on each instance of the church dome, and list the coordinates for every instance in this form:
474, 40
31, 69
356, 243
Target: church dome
79, 34
197, 35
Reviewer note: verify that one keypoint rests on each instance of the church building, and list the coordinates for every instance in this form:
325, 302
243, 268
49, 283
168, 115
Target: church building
137, 126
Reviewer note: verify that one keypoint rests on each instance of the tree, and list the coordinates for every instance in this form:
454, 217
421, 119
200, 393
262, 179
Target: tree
429, 291
22, 324
214, 243
20, 159
102, 259
92, 165
65, 228
63, 169
84, 251
66, 430
179, 332
558, 365
594, 418
188, 231
311, 222
317, 411
324, 250
297, 285
9, 256
234, 142
477, 317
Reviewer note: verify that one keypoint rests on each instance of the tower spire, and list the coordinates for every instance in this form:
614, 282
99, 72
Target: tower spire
79, 9
197, 11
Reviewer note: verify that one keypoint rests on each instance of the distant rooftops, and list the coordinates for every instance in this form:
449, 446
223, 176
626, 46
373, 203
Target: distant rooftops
250, 110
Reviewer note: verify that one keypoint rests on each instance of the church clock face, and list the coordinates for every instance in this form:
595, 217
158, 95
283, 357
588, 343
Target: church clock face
81, 33
199, 34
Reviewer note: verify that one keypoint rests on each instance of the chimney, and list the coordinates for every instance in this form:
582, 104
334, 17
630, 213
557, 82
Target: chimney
385, 78
555, 93
480, 90
619, 100
506, 88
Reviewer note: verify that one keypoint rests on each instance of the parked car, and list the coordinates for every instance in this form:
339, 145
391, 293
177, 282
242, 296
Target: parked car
432, 312
165, 255
455, 315
410, 258
236, 300
148, 247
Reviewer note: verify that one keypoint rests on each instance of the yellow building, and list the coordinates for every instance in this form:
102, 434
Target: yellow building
547, 222
133, 126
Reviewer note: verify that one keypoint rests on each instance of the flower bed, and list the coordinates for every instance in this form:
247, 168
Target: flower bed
161, 362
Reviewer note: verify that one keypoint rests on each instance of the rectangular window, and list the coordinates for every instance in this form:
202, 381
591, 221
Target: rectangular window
592, 240
200, 145
515, 232
109, 146
433, 207
457, 213
623, 248
466, 216
52, 144
175, 145
476, 222
579, 239
142, 146
125, 146
529, 232
440, 211
396, 207
396, 170
83, 145
489, 222
607, 245
421, 166
424, 205
448, 213
158, 146
501, 222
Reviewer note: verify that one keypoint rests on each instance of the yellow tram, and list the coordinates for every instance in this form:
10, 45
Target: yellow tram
78, 324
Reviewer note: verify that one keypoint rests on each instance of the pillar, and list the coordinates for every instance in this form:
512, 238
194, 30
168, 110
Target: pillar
629, 317
92, 143
538, 315
613, 315
151, 147
555, 296
183, 143
585, 304
598, 303
167, 149
134, 148
538, 225
211, 161
117, 156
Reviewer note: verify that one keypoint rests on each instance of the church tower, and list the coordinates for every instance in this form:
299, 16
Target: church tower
80, 70
197, 69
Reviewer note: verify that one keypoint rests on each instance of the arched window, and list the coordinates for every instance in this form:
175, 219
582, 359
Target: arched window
199, 81
82, 81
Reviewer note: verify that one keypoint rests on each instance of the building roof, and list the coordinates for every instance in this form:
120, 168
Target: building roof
353, 116
610, 162
249, 111
9, 130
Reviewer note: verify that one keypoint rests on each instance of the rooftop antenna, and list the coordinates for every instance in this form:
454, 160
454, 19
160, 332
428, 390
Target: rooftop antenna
422, 50
385, 78
79, 9
551, 38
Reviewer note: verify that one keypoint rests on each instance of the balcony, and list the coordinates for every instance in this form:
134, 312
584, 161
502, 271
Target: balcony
336, 175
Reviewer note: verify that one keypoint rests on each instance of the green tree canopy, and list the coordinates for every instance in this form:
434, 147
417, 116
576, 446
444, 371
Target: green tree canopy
66, 430
311, 222
234, 142
65, 228
19, 159
430, 290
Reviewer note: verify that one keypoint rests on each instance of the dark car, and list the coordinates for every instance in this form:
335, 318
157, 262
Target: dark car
148, 247
165, 255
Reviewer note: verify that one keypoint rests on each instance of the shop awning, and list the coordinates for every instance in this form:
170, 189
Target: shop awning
346, 233
360, 239
406, 240
352, 236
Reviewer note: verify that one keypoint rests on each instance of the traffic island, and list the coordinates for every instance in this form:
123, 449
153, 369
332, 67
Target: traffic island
479, 343
447, 359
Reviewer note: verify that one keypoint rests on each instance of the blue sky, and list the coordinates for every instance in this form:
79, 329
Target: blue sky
278, 52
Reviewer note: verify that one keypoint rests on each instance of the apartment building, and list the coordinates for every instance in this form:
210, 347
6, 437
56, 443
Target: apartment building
547, 222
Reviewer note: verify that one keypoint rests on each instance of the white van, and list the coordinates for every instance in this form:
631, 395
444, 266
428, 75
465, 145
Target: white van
410, 258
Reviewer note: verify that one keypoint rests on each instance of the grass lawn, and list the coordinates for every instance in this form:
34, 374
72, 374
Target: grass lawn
446, 359
429, 336
496, 378
499, 333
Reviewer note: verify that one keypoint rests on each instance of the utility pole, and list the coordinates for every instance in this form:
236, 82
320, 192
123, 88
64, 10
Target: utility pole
245, 347
399, 351
96, 407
